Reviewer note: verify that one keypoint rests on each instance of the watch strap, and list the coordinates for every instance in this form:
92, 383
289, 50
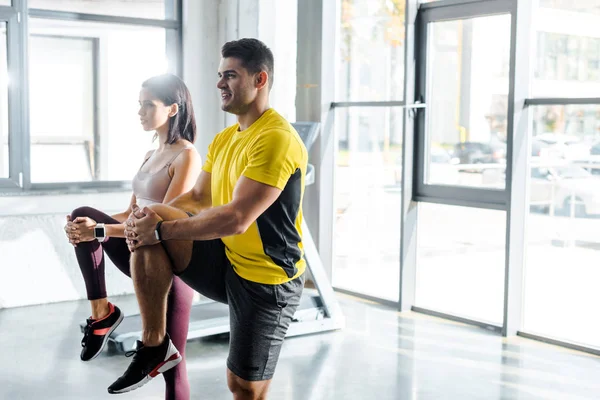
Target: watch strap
157, 231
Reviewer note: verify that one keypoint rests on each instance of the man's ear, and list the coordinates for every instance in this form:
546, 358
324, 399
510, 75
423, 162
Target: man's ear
173, 110
262, 80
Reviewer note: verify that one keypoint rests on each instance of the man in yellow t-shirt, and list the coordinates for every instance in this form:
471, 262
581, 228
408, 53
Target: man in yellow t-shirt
235, 237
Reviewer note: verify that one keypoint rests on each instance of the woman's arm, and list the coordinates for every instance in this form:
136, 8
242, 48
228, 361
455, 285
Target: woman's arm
82, 229
185, 170
122, 216
118, 230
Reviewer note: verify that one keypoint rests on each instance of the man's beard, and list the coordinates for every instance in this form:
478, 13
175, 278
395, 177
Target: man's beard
235, 109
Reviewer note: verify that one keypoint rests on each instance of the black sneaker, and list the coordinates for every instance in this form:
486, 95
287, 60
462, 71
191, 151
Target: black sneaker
147, 363
97, 332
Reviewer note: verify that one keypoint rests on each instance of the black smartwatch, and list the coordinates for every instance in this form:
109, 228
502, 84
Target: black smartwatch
157, 231
100, 232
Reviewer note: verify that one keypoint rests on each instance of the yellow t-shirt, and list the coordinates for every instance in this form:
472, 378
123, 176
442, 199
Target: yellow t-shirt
270, 151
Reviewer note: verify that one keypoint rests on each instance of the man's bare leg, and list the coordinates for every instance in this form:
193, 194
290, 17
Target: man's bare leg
247, 390
152, 274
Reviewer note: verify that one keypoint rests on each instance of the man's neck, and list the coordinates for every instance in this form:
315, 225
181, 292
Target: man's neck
254, 113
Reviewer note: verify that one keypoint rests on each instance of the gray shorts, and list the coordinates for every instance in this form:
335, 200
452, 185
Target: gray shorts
259, 314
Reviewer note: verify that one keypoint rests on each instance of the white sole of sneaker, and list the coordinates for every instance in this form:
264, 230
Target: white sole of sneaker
174, 359
112, 329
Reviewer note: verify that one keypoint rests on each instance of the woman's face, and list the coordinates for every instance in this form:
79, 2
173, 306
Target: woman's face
154, 114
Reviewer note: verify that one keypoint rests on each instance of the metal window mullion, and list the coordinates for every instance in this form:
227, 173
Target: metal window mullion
6, 13
448, 3
459, 202
110, 19
559, 101
421, 30
174, 41
23, 141
174, 37
173, 9
517, 173
15, 103
484, 198
97, 170
408, 210
556, 342
68, 186
490, 326
463, 10
390, 103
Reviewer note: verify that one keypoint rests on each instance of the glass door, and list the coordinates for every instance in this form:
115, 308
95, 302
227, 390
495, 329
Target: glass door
463, 80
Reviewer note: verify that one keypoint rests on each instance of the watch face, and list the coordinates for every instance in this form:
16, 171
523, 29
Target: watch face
98, 232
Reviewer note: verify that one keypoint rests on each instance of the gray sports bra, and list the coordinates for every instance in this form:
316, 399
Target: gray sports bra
150, 188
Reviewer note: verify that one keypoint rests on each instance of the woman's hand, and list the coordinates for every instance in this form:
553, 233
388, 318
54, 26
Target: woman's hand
70, 231
80, 230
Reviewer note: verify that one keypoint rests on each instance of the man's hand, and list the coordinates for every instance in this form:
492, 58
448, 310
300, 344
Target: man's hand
139, 228
80, 230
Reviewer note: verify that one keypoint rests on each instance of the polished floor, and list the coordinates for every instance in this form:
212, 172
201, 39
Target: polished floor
381, 355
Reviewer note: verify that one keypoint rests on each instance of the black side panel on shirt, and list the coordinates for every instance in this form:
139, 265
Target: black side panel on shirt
277, 226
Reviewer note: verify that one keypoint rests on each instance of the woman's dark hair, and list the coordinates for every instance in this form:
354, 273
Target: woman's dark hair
253, 53
169, 89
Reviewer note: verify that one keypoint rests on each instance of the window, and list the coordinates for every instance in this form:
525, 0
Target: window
83, 77
580, 6
4, 155
467, 116
563, 249
568, 127
155, 9
371, 57
567, 50
62, 96
368, 176
567, 57
84, 123
460, 261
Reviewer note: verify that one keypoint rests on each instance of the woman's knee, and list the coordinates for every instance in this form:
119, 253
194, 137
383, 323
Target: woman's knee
83, 212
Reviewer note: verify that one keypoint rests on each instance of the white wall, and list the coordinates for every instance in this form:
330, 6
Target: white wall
37, 264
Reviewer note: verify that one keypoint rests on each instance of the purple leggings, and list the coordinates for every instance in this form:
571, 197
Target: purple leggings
91, 262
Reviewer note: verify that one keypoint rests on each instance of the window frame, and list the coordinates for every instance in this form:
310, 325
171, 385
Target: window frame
496, 199
17, 19
10, 17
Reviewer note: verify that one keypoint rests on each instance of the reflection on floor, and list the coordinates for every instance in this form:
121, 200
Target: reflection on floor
381, 355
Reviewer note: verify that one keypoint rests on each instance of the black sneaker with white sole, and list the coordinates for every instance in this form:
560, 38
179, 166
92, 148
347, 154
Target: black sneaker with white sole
147, 363
97, 332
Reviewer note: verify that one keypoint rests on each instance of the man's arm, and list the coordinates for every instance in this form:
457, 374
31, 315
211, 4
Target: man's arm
197, 199
250, 200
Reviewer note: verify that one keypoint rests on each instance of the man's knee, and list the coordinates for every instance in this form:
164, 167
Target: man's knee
243, 389
167, 212
243, 392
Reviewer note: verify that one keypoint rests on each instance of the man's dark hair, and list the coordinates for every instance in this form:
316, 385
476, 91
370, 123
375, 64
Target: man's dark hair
169, 89
254, 55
